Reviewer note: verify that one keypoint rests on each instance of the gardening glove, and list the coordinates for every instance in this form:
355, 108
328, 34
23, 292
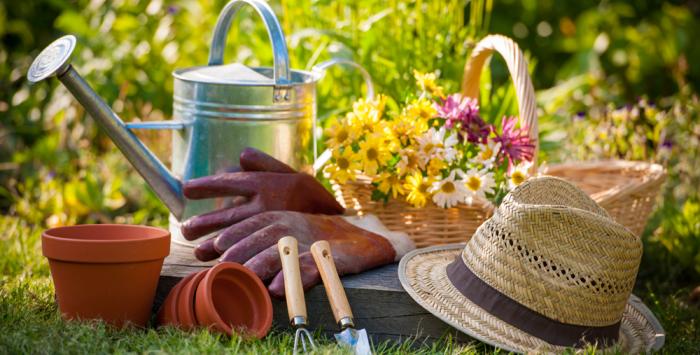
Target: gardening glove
263, 184
358, 244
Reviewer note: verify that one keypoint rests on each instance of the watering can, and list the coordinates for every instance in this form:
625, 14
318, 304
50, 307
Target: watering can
218, 110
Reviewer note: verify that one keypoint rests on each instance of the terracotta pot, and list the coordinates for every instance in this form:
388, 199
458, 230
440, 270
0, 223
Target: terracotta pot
168, 314
106, 271
186, 300
231, 297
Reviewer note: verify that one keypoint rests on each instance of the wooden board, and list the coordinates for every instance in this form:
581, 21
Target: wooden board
378, 301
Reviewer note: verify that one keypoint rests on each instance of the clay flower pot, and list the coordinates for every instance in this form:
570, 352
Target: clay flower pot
168, 313
186, 301
231, 298
106, 271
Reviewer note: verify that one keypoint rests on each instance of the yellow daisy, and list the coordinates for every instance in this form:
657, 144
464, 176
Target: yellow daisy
423, 109
417, 187
379, 102
426, 81
365, 122
409, 162
405, 129
370, 109
435, 166
340, 134
373, 154
344, 166
390, 183
393, 144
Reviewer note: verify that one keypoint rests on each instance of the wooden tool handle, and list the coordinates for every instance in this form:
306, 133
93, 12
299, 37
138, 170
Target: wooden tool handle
321, 252
293, 289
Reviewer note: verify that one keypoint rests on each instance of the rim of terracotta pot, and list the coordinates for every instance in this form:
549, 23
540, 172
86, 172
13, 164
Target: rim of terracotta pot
249, 283
186, 300
105, 243
167, 314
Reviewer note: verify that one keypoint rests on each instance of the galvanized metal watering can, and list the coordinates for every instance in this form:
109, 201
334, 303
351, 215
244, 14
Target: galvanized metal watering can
218, 110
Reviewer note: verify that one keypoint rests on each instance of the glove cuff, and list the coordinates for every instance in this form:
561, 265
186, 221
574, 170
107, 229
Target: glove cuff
400, 241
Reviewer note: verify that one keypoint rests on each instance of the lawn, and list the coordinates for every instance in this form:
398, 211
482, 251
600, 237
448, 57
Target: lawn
30, 321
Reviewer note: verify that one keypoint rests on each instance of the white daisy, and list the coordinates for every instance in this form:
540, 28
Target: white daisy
428, 145
488, 153
434, 144
448, 192
448, 151
518, 174
478, 183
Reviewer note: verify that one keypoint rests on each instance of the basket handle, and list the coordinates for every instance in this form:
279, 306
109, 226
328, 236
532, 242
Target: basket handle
517, 66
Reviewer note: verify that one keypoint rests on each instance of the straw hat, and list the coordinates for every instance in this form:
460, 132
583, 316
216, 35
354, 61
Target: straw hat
549, 270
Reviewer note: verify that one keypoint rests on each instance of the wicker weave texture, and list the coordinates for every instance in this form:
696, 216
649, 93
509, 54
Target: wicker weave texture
628, 190
430, 225
424, 274
568, 261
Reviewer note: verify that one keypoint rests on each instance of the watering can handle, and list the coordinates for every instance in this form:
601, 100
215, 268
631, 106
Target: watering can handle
274, 30
321, 68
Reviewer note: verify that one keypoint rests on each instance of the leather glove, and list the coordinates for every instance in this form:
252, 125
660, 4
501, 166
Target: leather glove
264, 184
253, 242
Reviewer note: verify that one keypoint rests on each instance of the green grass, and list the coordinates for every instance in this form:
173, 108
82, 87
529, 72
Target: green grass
30, 321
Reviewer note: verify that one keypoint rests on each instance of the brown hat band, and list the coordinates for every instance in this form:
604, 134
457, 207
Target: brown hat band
523, 318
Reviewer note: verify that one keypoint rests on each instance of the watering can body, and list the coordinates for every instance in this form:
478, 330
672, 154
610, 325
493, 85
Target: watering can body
218, 110
213, 123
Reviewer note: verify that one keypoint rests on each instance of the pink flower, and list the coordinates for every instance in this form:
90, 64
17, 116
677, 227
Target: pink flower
456, 108
516, 145
476, 130
464, 112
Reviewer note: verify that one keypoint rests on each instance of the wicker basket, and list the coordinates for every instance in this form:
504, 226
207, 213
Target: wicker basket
627, 190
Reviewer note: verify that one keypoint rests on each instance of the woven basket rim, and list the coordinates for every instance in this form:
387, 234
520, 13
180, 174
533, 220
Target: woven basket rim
654, 175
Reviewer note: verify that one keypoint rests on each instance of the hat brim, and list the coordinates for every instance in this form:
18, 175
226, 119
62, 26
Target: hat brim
422, 274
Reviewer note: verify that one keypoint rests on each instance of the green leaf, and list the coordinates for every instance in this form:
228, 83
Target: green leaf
73, 22
126, 23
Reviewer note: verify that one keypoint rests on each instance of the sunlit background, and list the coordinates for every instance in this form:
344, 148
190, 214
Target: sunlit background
615, 79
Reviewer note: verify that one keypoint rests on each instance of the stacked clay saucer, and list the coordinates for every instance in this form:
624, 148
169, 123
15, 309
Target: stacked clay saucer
227, 298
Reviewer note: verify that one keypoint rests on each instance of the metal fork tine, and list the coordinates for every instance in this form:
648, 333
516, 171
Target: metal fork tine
305, 337
296, 342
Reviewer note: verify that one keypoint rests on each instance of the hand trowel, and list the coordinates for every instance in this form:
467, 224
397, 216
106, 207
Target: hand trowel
356, 339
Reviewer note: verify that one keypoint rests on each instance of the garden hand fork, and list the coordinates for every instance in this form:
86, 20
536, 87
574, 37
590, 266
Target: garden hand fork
294, 292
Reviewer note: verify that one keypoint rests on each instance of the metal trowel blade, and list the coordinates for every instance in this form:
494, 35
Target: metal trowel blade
356, 339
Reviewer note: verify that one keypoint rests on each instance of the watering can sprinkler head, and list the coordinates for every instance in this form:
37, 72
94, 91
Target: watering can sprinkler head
218, 110
55, 60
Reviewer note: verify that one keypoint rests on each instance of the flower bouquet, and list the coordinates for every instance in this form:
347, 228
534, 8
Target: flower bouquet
435, 169
435, 156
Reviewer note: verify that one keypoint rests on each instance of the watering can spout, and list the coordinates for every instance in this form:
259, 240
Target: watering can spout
54, 60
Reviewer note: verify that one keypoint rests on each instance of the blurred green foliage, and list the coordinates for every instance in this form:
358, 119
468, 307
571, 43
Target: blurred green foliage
589, 60
637, 47
615, 79
59, 169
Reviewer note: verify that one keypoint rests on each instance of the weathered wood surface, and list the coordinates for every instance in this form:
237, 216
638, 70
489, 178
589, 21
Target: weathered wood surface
379, 303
